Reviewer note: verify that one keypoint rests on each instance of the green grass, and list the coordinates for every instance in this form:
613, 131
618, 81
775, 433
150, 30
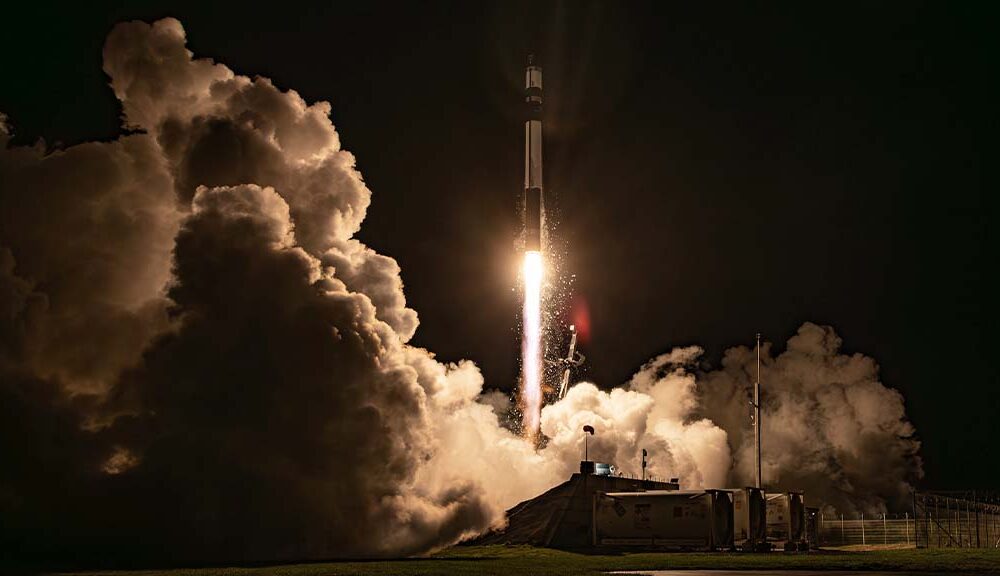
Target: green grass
516, 560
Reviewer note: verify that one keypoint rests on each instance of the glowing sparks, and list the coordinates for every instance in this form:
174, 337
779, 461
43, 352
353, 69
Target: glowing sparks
531, 353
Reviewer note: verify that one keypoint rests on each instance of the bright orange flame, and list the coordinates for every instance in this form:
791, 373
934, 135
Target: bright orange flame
531, 351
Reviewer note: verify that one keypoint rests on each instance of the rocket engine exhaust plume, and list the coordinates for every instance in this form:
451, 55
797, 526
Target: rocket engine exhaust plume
531, 353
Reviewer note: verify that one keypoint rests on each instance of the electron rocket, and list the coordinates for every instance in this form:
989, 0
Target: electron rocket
534, 266
533, 205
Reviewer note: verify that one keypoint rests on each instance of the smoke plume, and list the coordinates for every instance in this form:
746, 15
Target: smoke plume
657, 412
830, 427
198, 360
203, 355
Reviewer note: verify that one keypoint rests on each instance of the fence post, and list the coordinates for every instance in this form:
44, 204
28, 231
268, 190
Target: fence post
863, 542
843, 539
819, 529
988, 509
968, 519
958, 514
996, 525
906, 526
927, 520
968, 524
974, 519
986, 522
951, 517
975, 506
964, 523
937, 514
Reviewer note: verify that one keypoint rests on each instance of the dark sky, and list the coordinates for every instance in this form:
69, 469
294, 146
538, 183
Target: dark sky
718, 170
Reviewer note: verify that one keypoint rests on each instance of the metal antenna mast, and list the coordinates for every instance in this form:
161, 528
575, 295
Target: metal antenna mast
756, 415
573, 359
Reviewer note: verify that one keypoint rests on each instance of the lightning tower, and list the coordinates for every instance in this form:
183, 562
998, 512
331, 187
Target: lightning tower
756, 419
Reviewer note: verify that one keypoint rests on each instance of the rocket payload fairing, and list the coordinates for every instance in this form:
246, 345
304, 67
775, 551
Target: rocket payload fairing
533, 205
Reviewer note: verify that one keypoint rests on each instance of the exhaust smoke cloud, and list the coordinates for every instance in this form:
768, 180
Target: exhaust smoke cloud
531, 355
829, 425
199, 361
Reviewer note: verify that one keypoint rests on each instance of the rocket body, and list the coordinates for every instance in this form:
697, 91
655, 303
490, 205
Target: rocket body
533, 203
532, 351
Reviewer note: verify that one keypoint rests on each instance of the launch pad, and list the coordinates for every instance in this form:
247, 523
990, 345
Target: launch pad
561, 517
602, 511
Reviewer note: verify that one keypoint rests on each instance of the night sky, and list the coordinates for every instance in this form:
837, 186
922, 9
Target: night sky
716, 171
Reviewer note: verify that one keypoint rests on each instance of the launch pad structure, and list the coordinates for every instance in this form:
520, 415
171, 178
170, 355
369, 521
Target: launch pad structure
562, 516
573, 359
596, 509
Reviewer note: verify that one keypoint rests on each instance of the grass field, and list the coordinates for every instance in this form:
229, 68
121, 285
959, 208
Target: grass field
517, 560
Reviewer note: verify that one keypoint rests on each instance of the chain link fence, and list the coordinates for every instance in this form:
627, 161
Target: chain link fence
881, 530
938, 520
957, 519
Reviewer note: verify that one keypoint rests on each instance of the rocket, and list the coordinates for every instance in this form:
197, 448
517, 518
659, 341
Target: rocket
533, 350
533, 206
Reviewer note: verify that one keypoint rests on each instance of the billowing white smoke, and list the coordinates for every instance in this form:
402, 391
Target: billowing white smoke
657, 412
830, 426
222, 371
93, 226
191, 306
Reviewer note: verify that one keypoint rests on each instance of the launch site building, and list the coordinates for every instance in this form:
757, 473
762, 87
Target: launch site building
596, 509
701, 519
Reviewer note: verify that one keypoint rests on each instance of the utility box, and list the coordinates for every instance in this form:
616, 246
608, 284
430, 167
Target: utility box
749, 518
689, 519
786, 519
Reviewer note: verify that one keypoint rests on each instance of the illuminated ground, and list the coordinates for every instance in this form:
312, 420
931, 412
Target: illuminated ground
525, 560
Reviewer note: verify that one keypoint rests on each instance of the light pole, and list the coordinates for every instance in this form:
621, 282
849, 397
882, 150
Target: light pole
587, 429
756, 415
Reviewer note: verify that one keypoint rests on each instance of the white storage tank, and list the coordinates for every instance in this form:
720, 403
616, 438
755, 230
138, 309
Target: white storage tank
701, 519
